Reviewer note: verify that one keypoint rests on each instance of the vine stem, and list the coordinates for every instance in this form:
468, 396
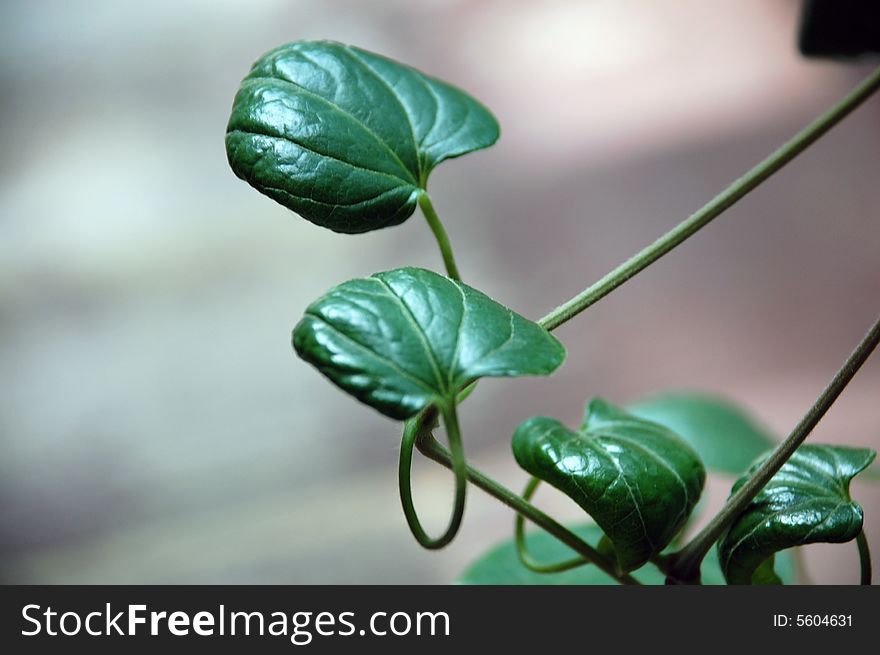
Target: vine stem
440, 234
716, 206
432, 449
864, 558
684, 566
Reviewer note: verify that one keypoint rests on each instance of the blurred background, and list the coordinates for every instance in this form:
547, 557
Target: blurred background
155, 425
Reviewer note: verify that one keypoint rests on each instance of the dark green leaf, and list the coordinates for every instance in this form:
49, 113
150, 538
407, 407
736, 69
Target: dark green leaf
807, 501
501, 566
637, 479
725, 438
347, 138
406, 338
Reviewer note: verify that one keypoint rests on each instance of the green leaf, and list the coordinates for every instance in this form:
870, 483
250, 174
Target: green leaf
637, 479
406, 338
806, 502
346, 138
765, 574
501, 566
725, 437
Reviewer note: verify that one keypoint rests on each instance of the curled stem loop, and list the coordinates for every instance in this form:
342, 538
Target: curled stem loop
411, 433
520, 539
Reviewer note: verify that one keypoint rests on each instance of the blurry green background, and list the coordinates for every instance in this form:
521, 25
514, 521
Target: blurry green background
155, 425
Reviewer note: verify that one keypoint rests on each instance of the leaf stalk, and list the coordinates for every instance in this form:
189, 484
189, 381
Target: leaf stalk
864, 559
440, 235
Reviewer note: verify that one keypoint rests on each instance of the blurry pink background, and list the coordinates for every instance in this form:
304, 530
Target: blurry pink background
155, 425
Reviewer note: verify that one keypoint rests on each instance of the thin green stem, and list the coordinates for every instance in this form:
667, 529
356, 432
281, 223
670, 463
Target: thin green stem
716, 206
439, 231
864, 558
459, 467
685, 565
432, 449
522, 550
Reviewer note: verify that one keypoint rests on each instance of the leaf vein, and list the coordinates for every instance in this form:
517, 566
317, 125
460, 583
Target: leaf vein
408, 314
397, 99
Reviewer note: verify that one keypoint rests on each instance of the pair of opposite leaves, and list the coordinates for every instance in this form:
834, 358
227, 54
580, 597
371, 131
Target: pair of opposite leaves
347, 139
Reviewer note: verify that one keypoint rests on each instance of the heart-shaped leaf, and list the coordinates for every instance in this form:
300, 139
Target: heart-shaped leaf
806, 502
725, 437
501, 565
346, 138
406, 338
637, 479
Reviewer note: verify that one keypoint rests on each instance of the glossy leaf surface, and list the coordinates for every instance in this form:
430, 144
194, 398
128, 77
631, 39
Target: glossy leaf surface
807, 501
405, 338
501, 565
725, 437
347, 138
637, 479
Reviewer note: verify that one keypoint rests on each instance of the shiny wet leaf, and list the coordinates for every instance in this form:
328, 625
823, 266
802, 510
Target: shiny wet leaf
638, 480
405, 338
347, 138
806, 502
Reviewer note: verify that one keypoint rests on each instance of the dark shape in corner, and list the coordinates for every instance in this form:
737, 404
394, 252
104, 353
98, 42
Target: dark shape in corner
839, 28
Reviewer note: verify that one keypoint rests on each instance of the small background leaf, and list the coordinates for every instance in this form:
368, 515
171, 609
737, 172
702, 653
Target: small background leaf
406, 338
347, 138
872, 473
807, 501
724, 436
635, 478
501, 566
